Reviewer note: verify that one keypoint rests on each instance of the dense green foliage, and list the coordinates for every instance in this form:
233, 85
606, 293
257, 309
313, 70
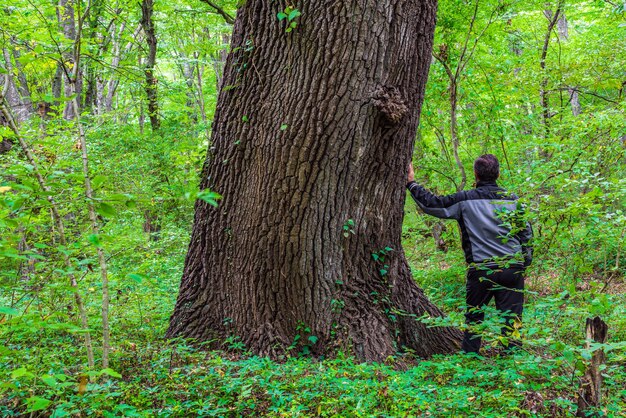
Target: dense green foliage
569, 168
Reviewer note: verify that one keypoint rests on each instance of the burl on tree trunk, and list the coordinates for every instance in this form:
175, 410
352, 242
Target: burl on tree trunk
311, 141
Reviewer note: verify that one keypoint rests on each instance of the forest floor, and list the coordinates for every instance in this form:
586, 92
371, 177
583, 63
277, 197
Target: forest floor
42, 360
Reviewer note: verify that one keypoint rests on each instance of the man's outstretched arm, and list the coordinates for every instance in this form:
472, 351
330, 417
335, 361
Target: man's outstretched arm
446, 207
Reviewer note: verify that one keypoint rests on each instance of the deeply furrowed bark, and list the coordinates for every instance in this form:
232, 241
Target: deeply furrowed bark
313, 133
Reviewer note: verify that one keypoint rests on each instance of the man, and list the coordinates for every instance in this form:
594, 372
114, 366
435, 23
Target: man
495, 239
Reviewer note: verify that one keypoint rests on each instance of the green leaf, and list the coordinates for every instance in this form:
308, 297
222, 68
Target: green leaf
94, 239
313, 339
295, 13
50, 381
98, 181
85, 261
281, 16
26, 59
8, 311
110, 372
21, 372
136, 277
118, 197
208, 196
283, 127
35, 403
106, 210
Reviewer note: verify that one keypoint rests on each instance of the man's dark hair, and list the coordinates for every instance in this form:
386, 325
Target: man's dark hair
487, 167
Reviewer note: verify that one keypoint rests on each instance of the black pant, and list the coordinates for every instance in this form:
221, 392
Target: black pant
506, 286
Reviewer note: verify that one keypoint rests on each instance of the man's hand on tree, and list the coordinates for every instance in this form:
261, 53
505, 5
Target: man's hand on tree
411, 176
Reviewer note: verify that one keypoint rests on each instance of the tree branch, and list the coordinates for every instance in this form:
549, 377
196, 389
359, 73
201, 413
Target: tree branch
576, 89
445, 65
469, 32
227, 17
546, 41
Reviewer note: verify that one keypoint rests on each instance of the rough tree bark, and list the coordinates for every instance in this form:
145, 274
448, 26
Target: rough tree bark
147, 24
313, 132
590, 392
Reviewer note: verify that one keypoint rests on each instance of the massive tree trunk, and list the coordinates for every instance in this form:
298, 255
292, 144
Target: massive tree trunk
311, 141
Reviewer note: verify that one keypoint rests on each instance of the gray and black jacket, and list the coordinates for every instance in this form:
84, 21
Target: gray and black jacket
493, 231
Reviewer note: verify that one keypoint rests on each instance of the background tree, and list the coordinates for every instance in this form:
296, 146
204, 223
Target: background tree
149, 30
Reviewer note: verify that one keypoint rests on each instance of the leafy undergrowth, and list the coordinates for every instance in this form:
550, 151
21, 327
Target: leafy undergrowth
149, 377
181, 381
42, 358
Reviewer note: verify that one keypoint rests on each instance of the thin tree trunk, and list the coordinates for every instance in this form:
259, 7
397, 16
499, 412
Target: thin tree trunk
147, 24
66, 19
26, 269
90, 90
111, 85
106, 333
453, 90
562, 27
114, 81
596, 330
199, 74
454, 134
100, 102
19, 93
543, 90
93, 70
57, 86
563, 31
574, 101
95, 229
58, 220
316, 135
218, 60
12, 95
18, 96
23, 87
187, 70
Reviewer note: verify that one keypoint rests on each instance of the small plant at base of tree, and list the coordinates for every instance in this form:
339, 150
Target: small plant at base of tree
303, 339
